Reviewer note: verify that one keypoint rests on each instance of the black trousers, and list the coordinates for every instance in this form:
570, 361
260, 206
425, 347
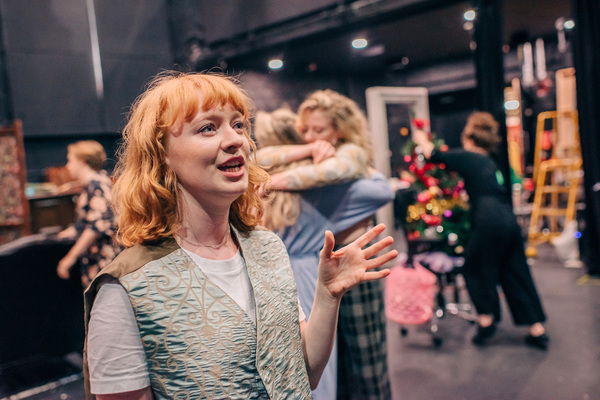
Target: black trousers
495, 255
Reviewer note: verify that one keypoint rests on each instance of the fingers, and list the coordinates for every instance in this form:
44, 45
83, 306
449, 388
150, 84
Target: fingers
62, 273
382, 259
328, 245
371, 234
374, 275
367, 238
378, 246
322, 150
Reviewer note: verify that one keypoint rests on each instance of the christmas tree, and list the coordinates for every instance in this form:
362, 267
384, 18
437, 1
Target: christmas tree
440, 213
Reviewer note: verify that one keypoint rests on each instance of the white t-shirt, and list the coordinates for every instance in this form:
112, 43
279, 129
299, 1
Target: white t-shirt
116, 357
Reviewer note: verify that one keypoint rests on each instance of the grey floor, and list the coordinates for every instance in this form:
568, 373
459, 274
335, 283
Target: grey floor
505, 369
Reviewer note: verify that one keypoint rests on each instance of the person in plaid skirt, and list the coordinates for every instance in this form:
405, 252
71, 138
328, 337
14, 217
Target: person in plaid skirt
329, 117
362, 352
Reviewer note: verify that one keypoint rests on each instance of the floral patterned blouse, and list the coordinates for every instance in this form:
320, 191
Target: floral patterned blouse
350, 163
93, 211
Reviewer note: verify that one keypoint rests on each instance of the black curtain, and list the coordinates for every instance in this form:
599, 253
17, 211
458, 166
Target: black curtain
6, 110
489, 66
586, 58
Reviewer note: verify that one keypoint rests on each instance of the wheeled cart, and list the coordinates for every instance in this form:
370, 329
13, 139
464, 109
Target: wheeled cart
416, 295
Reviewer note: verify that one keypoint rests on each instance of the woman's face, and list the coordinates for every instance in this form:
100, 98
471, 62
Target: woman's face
209, 155
316, 125
74, 165
467, 143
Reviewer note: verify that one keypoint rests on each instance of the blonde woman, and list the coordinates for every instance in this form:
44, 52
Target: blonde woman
202, 302
95, 224
330, 121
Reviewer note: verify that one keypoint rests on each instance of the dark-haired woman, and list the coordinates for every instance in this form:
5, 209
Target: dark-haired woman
494, 254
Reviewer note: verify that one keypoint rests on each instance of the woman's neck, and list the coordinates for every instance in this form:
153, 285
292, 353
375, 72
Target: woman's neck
206, 234
478, 150
86, 175
222, 248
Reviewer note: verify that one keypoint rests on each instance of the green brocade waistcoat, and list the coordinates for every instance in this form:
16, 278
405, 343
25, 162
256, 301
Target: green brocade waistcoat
199, 343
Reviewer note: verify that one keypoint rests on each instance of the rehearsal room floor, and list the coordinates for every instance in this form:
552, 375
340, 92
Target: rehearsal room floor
505, 369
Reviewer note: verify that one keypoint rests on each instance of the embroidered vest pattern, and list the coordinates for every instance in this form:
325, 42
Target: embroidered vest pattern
200, 344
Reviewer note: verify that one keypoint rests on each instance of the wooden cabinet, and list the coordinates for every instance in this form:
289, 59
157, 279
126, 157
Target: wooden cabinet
52, 211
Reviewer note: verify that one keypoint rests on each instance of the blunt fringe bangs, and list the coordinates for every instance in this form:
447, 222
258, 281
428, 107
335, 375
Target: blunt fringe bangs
146, 190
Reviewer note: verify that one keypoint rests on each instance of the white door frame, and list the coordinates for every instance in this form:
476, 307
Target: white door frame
377, 98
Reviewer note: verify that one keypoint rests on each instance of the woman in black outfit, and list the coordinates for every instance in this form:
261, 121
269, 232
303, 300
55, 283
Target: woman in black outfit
495, 253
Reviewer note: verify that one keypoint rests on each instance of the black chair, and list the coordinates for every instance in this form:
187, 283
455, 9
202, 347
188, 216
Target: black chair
41, 315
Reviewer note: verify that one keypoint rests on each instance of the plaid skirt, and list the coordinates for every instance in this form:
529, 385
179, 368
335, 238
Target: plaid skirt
362, 350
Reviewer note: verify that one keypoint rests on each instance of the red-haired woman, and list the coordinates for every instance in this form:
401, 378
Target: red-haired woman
202, 302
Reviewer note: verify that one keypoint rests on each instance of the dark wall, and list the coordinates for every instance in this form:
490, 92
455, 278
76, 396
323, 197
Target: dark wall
224, 19
50, 71
51, 150
48, 56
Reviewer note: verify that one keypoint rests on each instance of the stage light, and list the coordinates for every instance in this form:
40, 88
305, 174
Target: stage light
469, 15
569, 24
360, 43
275, 63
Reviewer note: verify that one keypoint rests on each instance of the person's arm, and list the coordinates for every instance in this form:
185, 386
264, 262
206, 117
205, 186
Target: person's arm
67, 233
458, 160
140, 394
421, 139
350, 163
96, 217
85, 240
275, 156
116, 358
339, 272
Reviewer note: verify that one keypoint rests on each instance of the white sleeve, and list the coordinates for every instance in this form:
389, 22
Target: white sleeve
301, 316
116, 357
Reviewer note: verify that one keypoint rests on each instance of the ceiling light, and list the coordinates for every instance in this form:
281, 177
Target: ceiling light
469, 15
275, 63
360, 43
569, 24
511, 105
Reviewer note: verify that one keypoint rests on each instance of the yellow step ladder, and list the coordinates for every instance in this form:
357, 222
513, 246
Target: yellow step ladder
556, 179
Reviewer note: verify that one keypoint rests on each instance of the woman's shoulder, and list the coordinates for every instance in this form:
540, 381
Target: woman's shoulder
262, 235
350, 148
261, 243
100, 180
133, 258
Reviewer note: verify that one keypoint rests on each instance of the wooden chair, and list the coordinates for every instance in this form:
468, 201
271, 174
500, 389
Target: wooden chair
14, 206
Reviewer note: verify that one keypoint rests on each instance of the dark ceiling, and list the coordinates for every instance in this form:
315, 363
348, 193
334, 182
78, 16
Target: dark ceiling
421, 36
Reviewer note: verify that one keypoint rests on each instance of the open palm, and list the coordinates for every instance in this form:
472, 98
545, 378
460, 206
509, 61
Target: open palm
340, 271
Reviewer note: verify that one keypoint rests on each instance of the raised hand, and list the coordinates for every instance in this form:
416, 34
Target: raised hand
322, 150
340, 271
422, 139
